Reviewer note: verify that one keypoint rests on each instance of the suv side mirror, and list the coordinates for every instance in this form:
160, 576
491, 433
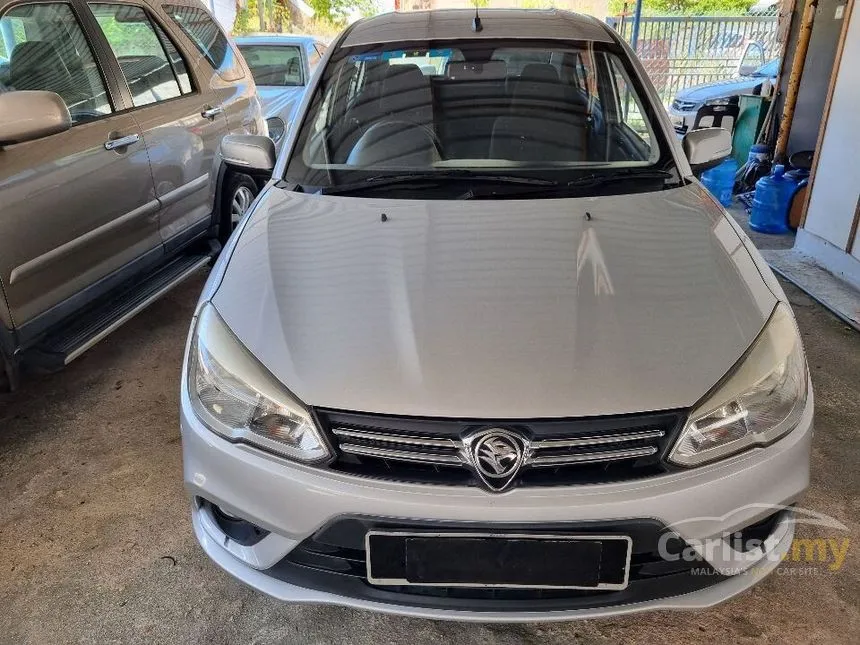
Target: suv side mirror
31, 114
249, 151
707, 147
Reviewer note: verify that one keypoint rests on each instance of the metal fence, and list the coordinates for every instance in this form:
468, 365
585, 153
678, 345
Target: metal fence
680, 51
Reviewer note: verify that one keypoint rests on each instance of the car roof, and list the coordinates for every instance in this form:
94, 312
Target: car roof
276, 39
456, 24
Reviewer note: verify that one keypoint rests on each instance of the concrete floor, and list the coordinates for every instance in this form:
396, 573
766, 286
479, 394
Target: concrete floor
96, 543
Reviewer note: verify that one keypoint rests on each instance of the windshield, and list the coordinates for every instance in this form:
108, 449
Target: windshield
770, 69
550, 111
274, 65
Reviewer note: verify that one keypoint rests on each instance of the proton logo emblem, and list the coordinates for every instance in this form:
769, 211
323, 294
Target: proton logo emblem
496, 455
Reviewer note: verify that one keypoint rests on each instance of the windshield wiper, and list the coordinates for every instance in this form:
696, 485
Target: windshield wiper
575, 185
431, 179
598, 179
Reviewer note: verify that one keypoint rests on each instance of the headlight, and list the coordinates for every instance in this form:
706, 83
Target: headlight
761, 401
277, 128
722, 101
239, 399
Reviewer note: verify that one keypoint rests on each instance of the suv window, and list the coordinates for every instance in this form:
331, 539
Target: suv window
151, 75
45, 49
207, 36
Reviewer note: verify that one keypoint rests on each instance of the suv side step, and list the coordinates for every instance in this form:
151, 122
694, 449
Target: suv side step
74, 339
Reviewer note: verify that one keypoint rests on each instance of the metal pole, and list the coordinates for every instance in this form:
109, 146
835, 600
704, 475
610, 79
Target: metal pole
797, 63
637, 16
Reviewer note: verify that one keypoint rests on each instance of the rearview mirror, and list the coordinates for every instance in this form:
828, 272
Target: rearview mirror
29, 115
707, 147
250, 151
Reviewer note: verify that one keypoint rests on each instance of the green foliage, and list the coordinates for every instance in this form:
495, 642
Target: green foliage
684, 7
276, 13
337, 11
245, 20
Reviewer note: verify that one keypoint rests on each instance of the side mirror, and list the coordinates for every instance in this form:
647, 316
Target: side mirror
250, 151
29, 115
707, 147
746, 70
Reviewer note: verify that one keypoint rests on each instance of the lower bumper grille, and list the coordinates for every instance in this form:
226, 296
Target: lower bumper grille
554, 452
333, 560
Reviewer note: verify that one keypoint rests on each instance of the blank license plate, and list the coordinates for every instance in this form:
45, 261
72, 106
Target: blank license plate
497, 560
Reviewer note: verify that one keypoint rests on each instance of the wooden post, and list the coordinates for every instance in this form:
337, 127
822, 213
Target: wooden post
803, 36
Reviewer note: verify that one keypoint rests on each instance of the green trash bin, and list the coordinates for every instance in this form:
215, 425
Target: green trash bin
753, 110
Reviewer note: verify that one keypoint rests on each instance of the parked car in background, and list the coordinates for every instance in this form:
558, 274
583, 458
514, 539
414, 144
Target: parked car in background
282, 66
112, 114
689, 100
484, 347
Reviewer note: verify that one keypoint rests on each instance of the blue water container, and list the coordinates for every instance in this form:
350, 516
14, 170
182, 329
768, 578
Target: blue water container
757, 153
720, 181
770, 205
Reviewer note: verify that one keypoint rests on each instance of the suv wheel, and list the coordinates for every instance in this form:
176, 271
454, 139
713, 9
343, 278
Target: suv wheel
239, 192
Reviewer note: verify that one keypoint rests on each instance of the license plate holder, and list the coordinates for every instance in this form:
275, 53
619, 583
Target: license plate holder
503, 560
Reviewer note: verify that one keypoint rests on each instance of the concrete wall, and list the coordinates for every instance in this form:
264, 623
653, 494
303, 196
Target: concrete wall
836, 191
816, 72
224, 12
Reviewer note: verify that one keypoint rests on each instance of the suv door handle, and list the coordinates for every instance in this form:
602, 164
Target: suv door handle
121, 142
211, 112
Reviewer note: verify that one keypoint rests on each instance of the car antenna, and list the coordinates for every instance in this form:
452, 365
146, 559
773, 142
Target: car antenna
476, 21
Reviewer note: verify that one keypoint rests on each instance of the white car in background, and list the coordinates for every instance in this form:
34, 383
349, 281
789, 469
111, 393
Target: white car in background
282, 66
688, 101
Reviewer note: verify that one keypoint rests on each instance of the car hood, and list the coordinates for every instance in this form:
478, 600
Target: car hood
495, 309
280, 101
720, 89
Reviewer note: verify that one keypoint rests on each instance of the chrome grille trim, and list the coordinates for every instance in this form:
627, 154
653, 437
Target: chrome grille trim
589, 457
553, 452
596, 440
404, 455
395, 438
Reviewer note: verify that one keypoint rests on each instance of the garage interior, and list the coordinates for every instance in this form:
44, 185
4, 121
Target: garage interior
95, 542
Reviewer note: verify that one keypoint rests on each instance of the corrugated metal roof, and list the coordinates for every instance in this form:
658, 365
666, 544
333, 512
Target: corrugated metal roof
456, 24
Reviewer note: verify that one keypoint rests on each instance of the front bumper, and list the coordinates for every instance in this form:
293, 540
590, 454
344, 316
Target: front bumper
295, 502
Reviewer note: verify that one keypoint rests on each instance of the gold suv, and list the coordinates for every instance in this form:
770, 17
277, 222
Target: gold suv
111, 114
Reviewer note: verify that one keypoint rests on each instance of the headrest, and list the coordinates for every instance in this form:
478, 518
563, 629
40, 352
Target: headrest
36, 65
38, 55
539, 83
539, 73
404, 89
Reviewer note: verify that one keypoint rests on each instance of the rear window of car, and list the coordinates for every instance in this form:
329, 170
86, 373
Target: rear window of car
274, 65
207, 36
483, 106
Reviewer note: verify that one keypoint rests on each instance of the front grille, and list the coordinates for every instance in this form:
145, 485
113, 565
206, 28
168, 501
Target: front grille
558, 452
